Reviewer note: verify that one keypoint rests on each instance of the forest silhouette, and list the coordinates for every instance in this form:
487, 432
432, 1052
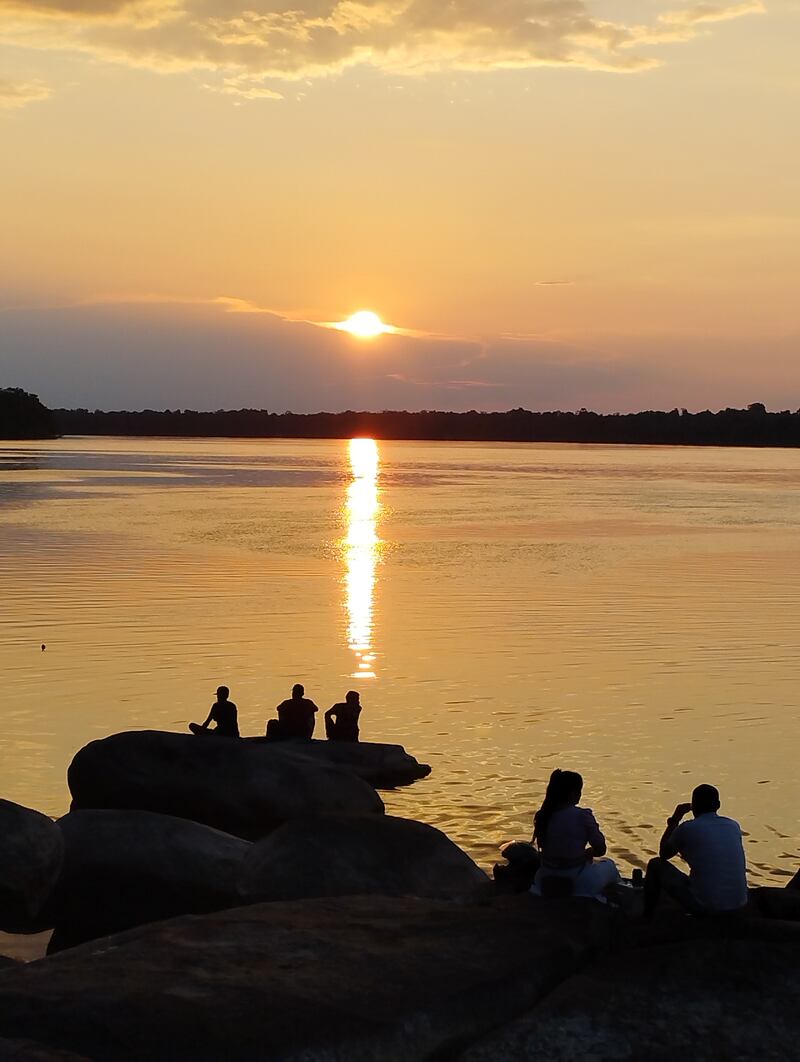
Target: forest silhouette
753, 426
22, 416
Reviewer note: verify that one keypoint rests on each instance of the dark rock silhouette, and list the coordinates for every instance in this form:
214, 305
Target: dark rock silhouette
124, 868
240, 787
777, 903
706, 1000
372, 979
29, 1051
383, 766
31, 852
753, 426
365, 855
22, 416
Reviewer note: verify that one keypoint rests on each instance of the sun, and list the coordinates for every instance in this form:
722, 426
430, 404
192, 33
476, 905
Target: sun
364, 325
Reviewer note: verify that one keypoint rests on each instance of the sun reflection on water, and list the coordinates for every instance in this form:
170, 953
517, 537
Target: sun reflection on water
362, 547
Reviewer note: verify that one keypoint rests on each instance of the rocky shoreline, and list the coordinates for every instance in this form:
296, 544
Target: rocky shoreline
212, 899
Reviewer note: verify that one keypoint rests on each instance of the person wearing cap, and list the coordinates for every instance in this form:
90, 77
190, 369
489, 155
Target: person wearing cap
223, 713
712, 846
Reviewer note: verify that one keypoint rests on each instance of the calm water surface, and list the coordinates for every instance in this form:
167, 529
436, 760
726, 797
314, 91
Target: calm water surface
628, 612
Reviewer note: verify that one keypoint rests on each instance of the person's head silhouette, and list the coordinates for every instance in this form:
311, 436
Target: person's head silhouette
223, 693
297, 691
352, 697
705, 800
563, 790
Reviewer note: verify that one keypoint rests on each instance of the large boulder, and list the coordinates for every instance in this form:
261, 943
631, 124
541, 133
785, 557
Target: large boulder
341, 856
383, 766
31, 850
777, 903
29, 1051
243, 788
713, 999
124, 868
356, 979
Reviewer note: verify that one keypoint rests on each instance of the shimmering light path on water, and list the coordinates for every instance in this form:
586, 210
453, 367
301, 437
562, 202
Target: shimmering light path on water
628, 612
361, 552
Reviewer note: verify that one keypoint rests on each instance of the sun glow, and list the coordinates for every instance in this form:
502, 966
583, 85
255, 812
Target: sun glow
361, 548
364, 325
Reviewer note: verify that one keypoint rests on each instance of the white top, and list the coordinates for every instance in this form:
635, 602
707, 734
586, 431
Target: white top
712, 846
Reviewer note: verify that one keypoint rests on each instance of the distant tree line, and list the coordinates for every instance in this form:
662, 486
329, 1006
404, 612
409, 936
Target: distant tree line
753, 426
22, 416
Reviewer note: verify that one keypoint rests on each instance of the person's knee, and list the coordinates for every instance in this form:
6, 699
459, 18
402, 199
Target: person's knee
654, 866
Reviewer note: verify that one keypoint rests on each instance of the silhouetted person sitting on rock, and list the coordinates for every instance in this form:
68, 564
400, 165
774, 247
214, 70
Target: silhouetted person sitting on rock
341, 720
295, 718
570, 843
712, 846
223, 713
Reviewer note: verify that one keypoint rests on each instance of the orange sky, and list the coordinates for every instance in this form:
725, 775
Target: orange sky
567, 203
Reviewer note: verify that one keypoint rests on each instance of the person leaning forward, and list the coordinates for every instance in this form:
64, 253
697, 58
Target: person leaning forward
712, 846
341, 720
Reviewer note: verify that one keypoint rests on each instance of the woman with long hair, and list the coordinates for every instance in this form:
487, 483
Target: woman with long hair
570, 842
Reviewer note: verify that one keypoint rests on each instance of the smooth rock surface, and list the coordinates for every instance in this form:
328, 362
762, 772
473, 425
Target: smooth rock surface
777, 903
383, 766
341, 856
358, 979
240, 787
124, 868
706, 1000
29, 1051
31, 850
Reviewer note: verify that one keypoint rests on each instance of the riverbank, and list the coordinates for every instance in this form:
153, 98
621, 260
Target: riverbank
322, 928
753, 426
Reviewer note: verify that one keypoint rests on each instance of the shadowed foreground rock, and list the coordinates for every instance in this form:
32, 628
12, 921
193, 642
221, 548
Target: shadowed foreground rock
28, 1051
124, 868
241, 787
383, 766
706, 1000
777, 903
362, 979
31, 850
364, 855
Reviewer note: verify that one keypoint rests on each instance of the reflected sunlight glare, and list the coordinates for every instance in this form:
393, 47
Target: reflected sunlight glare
362, 546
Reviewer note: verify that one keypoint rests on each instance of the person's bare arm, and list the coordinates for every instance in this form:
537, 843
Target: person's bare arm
206, 724
331, 712
667, 847
596, 840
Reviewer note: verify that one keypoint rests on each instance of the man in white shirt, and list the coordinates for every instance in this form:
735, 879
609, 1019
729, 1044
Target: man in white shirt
712, 846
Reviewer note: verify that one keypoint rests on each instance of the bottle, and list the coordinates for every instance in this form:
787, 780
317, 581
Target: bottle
637, 878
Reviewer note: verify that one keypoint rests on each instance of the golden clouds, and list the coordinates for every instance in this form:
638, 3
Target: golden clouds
18, 93
250, 43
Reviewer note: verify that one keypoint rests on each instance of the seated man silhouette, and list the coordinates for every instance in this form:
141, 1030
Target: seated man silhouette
224, 713
341, 720
295, 718
712, 846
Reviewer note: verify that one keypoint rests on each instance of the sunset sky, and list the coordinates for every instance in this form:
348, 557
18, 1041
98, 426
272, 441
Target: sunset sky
557, 203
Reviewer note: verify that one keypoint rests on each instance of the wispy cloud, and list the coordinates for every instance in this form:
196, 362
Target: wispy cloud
697, 13
21, 93
254, 47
